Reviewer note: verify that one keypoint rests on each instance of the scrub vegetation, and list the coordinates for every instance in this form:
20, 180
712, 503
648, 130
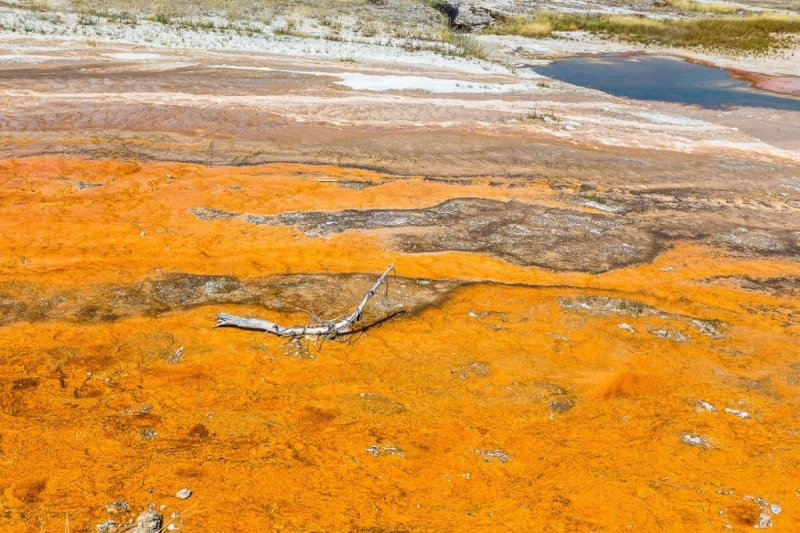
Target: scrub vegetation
420, 25
757, 34
412, 24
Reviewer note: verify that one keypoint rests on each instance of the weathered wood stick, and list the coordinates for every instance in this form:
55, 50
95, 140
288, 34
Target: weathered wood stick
326, 328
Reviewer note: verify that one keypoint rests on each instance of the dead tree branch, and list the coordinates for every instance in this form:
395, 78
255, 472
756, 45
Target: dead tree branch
320, 328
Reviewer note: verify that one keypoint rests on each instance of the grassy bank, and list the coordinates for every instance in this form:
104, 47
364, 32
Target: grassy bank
756, 34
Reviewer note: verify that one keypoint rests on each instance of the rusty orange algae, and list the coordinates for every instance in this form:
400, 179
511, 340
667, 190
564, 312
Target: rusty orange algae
521, 400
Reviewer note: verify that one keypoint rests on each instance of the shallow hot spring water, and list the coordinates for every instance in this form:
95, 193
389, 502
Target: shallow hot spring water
664, 78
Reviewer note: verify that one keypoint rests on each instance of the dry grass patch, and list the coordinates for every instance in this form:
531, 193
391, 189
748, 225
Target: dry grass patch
722, 8
538, 26
756, 34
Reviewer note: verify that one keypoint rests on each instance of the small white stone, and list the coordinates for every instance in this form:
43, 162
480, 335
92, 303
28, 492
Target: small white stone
696, 440
775, 508
705, 405
183, 494
736, 412
626, 327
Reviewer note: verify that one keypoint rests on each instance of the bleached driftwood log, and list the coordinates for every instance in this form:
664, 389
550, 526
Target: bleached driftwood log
324, 328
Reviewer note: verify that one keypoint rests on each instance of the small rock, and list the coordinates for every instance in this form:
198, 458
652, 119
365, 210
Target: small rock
377, 450
710, 329
775, 508
626, 327
764, 521
701, 405
117, 507
670, 334
107, 527
149, 521
736, 412
489, 454
183, 494
175, 358
562, 405
87, 184
696, 440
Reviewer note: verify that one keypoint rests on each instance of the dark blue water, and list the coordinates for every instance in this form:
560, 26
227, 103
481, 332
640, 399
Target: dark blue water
664, 78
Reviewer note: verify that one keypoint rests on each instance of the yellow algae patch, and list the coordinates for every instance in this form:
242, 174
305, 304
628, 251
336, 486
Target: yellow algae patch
500, 408
660, 396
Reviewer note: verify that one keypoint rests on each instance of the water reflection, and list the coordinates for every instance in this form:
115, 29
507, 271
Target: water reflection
664, 78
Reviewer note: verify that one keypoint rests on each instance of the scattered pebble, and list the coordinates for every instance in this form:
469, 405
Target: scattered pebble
736, 412
626, 327
670, 334
377, 450
150, 521
117, 507
183, 494
107, 527
709, 329
175, 358
562, 405
775, 508
489, 454
696, 440
764, 521
706, 406
87, 184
